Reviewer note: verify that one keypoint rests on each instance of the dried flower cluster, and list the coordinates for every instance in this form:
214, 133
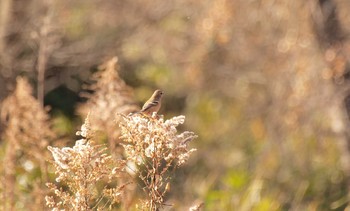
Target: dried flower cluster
106, 98
26, 121
154, 145
27, 133
80, 168
196, 207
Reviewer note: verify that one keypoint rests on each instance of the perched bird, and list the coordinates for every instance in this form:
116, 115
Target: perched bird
153, 104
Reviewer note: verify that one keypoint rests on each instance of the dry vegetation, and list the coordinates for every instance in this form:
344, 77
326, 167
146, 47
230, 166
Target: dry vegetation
264, 85
80, 169
27, 134
154, 147
87, 174
108, 95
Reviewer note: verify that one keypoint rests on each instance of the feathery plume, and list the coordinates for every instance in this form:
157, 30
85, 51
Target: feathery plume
80, 168
27, 132
107, 97
154, 145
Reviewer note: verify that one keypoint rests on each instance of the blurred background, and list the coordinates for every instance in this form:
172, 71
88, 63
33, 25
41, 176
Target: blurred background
265, 85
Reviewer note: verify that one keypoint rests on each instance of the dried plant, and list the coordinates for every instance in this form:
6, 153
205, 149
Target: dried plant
47, 41
155, 146
80, 168
108, 96
27, 124
196, 207
27, 133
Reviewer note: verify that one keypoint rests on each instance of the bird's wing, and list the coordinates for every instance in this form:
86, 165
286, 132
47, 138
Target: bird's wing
149, 105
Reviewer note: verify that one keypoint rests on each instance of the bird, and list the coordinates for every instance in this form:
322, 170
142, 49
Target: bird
152, 104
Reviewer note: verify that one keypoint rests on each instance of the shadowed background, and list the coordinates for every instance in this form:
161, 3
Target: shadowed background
263, 83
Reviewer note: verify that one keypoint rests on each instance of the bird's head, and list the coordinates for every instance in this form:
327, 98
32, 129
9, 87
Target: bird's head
158, 94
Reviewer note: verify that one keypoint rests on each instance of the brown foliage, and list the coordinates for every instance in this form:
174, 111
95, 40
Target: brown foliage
107, 97
27, 135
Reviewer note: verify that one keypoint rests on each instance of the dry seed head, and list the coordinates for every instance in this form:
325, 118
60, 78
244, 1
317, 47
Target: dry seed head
80, 167
154, 145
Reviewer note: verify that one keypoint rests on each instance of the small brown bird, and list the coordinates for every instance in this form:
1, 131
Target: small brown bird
153, 104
